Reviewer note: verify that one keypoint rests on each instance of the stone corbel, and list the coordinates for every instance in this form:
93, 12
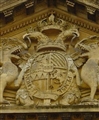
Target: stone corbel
91, 10
30, 4
91, 13
8, 15
70, 3
71, 6
29, 7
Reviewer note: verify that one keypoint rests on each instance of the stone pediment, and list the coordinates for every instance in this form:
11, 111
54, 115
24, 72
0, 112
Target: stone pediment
22, 24
54, 46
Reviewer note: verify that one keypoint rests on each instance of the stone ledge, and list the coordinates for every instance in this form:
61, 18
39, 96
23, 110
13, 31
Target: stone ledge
46, 109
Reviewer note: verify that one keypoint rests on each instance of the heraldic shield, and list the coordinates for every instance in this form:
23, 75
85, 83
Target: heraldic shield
49, 79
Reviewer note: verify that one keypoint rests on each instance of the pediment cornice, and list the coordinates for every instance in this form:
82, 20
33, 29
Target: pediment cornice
21, 25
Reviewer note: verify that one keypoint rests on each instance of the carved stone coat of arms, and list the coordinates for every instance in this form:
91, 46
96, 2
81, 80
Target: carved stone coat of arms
43, 73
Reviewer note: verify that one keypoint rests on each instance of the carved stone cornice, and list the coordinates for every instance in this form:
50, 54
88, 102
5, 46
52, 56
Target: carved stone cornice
23, 23
77, 21
45, 13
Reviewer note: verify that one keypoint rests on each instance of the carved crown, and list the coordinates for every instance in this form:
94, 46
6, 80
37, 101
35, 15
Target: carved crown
52, 45
65, 30
52, 23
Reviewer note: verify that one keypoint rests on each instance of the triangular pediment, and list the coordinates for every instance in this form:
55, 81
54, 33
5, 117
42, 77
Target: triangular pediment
46, 52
